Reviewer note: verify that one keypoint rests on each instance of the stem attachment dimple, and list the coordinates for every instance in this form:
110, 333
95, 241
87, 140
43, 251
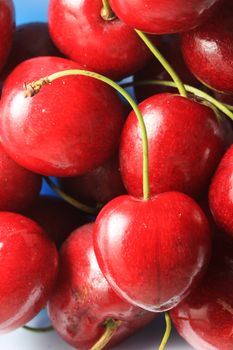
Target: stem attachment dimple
111, 327
106, 12
167, 332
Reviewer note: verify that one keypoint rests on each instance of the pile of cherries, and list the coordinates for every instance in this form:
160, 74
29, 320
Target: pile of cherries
151, 226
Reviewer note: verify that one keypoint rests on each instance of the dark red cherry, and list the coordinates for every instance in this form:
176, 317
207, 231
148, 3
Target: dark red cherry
164, 16
7, 26
208, 50
186, 142
205, 318
19, 187
69, 128
83, 300
28, 267
152, 252
108, 47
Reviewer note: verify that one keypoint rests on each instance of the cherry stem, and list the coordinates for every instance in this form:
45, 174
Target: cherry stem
34, 87
166, 65
199, 93
39, 330
78, 205
106, 12
167, 332
111, 327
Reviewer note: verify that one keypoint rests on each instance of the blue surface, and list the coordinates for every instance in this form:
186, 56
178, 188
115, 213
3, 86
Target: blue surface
31, 11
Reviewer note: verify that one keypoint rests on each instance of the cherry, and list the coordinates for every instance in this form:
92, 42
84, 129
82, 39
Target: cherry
28, 266
7, 25
18, 186
109, 47
65, 130
205, 318
57, 217
208, 50
83, 301
152, 252
164, 17
186, 142
98, 186
220, 193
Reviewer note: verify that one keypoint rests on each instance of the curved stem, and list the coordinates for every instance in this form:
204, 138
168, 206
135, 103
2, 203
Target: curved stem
34, 87
106, 12
111, 327
167, 332
85, 208
222, 107
39, 330
166, 65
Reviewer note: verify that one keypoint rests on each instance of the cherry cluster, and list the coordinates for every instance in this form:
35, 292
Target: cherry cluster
145, 223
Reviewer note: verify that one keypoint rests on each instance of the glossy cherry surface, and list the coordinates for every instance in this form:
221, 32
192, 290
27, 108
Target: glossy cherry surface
205, 318
28, 267
152, 252
164, 16
7, 25
69, 128
208, 50
220, 193
108, 47
186, 142
83, 300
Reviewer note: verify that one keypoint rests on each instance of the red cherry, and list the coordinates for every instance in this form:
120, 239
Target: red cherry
83, 300
108, 47
164, 17
186, 142
69, 128
152, 252
220, 193
57, 217
205, 318
18, 186
28, 266
7, 25
208, 50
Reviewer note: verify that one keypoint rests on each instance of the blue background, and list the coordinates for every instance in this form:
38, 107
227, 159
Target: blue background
31, 11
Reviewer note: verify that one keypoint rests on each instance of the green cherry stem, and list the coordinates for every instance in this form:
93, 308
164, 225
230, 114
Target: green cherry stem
111, 327
33, 88
166, 65
39, 330
167, 332
78, 205
222, 107
106, 12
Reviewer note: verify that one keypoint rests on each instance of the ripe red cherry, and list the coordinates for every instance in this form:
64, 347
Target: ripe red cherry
164, 17
69, 128
208, 50
220, 193
18, 186
108, 47
205, 318
83, 300
152, 252
7, 25
186, 142
28, 267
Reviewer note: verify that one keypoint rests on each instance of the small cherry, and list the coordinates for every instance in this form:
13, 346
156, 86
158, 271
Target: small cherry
7, 26
83, 304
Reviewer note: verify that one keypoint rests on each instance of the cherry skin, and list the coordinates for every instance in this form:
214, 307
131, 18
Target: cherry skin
186, 142
80, 32
98, 186
7, 26
205, 318
57, 217
83, 300
208, 51
220, 193
19, 187
164, 17
28, 268
160, 247
69, 128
